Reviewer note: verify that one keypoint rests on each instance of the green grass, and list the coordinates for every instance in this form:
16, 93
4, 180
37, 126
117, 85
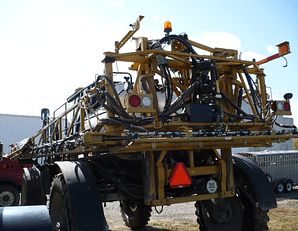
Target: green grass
174, 226
281, 219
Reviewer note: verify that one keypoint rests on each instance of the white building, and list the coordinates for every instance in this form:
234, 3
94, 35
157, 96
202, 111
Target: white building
15, 128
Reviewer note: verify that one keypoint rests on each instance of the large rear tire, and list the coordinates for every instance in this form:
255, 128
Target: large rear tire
75, 203
220, 214
255, 219
32, 193
135, 214
60, 210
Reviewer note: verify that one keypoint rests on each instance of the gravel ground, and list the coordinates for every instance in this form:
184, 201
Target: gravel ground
180, 213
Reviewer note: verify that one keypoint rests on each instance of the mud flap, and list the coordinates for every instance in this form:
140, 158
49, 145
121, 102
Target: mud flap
264, 192
84, 196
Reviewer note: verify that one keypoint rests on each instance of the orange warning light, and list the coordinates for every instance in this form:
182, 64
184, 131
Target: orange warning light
180, 177
284, 48
168, 27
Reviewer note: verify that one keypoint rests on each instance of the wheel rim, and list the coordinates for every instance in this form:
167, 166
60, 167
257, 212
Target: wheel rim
280, 188
6, 198
130, 210
289, 186
222, 214
133, 208
220, 211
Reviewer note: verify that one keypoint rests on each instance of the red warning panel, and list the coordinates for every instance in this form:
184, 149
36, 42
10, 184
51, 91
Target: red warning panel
180, 177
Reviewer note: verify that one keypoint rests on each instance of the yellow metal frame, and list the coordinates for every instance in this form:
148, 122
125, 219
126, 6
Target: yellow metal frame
99, 138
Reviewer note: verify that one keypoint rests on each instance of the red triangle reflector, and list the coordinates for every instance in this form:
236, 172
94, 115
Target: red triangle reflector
180, 177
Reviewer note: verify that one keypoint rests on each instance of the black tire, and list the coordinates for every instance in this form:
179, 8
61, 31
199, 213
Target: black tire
60, 210
220, 214
254, 219
135, 214
280, 187
288, 186
75, 203
9, 195
32, 193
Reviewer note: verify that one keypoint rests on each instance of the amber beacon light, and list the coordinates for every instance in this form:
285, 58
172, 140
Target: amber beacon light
168, 27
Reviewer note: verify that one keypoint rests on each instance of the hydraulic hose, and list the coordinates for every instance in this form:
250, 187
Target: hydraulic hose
285, 125
255, 98
240, 98
181, 39
186, 44
169, 109
114, 121
178, 103
113, 108
214, 72
113, 101
117, 100
234, 105
169, 85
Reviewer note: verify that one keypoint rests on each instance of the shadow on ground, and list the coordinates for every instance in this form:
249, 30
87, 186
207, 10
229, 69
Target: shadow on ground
286, 196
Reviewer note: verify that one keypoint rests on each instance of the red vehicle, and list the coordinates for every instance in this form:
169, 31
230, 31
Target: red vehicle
11, 177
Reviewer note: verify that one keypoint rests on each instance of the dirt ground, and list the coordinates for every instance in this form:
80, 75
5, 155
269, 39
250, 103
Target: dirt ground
288, 200
180, 214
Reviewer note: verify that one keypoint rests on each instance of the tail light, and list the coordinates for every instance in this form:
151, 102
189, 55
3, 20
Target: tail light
134, 100
281, 107
287, 106
139, 103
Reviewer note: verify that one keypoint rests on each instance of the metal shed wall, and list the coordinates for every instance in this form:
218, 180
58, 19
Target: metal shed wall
15, 128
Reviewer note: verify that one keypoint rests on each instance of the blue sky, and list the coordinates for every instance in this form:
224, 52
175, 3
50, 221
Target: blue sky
49, 48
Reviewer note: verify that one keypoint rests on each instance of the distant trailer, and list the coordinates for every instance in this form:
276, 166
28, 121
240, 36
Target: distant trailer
281, 167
